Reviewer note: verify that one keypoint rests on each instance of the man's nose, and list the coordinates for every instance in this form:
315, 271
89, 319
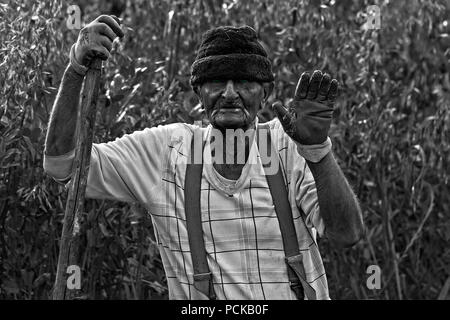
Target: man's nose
230, 92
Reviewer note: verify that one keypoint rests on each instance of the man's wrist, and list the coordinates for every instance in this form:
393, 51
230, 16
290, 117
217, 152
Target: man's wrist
73, 74
315, 152
76, 66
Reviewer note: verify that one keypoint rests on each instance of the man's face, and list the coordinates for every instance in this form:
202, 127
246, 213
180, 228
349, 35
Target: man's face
231, 104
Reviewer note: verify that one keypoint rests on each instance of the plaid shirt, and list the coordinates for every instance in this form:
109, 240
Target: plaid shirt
241, 232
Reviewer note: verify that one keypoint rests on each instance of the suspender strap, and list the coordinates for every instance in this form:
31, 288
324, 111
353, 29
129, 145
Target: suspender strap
294, 261
277, 187
202, 275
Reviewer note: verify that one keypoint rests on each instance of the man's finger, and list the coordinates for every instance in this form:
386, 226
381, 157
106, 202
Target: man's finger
100, 52
324, 87
302, 87
113, 24
106, 42
282, 113
333, 92
105, 30
314, 85
118, 20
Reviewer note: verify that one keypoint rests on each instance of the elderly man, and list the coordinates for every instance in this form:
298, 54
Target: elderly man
226, 229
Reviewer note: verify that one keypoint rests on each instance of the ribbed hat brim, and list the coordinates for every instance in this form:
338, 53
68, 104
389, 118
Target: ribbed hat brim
251, 67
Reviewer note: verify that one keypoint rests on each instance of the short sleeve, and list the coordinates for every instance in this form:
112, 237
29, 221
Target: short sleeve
126, 169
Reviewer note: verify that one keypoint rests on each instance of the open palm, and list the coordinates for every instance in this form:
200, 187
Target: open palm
308, 119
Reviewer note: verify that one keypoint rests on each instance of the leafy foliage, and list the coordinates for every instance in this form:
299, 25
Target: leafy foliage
390, 133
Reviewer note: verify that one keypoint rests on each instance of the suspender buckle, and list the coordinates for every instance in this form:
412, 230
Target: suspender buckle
296, 286
297, 272
203, 283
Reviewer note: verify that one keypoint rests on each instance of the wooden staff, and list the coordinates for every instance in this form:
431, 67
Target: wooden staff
70, 238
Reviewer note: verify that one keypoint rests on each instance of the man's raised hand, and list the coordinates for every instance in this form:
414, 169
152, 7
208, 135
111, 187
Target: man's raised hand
308, 119
96, 39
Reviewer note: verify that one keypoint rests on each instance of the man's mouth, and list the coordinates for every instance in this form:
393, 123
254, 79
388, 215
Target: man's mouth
230, 109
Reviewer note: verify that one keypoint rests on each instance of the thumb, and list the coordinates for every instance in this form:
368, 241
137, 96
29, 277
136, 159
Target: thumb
282, 113
286, 118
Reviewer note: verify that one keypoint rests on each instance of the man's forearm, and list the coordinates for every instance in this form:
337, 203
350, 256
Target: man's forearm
63, 119
338, 204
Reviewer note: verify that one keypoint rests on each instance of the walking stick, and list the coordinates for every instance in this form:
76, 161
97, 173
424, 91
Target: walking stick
70, 238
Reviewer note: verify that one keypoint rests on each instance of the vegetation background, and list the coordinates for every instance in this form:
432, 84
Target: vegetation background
390, 133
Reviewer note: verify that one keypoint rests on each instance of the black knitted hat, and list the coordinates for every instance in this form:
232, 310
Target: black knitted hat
231, 53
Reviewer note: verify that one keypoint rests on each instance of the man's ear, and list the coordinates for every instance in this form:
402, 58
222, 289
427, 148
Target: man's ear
268, 88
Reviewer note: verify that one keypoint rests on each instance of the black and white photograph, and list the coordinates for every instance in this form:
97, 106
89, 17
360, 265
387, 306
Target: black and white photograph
206, 150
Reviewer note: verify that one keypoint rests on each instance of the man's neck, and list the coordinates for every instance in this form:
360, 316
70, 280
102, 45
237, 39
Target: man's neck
235, 152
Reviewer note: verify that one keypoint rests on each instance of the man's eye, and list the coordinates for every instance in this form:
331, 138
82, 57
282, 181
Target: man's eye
244, 83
